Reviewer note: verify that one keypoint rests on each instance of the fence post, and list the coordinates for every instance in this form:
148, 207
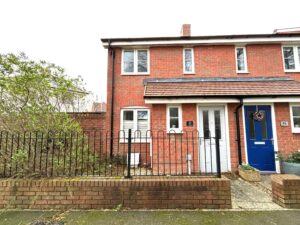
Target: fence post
218, 157
129, 154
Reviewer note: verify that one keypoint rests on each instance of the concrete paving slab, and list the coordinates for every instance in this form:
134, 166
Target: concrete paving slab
248, 196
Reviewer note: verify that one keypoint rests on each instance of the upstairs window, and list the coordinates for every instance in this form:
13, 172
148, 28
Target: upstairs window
295, 118
241, 60
137, 120
135, 61
188, 60
291, 58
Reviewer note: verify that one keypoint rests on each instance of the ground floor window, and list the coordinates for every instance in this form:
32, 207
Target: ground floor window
138, 120
174, 118
295, 118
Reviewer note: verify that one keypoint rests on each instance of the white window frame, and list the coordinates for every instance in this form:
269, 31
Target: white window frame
296, 58
135, 62
174, 130
294, 129
135, 120
245, 59
193, 61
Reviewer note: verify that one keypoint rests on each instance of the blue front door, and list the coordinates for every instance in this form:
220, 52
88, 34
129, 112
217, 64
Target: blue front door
259, 136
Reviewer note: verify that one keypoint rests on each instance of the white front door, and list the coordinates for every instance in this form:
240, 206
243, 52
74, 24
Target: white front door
212, 124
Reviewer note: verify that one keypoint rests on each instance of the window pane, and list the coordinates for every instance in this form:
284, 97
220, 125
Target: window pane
128, 61
142, 66
188, 54
173, 112
142, 115
297, 122
174, 123
142, 123
296, 110
188, 66
217, 123
264, 133
128, 67
142, 55
128, 115
206, 125
142, 61
188, 61
128, 55
289, 61
240, 55
251, 125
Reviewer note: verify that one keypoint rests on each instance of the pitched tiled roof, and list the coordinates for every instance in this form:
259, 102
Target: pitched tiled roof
221, 87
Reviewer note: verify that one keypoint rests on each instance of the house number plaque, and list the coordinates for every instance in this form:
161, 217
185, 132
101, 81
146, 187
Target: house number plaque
189, 123
284, 123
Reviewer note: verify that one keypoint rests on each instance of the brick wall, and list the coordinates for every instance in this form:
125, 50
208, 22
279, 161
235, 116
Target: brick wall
90, 120
173, 193
210, 61
287, 141
286, 190
167, 62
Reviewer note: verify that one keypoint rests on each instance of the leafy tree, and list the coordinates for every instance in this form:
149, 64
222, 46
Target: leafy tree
37, 95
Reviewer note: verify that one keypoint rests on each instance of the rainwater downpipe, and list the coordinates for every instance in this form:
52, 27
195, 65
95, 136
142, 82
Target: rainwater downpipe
238, 131
112, 53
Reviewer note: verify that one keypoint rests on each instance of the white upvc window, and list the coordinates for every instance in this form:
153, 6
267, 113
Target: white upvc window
295, 118
136, 119
241, 60
291, 58
135, 61
188, 61
174, 119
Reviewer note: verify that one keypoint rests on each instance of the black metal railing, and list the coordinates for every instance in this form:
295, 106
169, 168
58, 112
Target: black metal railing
98, 153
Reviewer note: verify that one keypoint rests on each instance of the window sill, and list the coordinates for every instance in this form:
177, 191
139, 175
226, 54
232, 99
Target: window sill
174, 132
241, 72
292, 71
135, 74
296, 130
189, 73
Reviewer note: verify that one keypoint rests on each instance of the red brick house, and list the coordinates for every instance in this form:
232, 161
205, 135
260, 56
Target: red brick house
243, 88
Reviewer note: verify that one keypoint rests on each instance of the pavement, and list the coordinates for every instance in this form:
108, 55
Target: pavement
252, 196
171, 217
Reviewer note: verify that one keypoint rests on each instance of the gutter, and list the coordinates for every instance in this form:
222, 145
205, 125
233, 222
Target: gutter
112, 52
238, 131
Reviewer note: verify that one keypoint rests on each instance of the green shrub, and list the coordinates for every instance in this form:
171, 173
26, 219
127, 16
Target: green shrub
294, 157
246, 167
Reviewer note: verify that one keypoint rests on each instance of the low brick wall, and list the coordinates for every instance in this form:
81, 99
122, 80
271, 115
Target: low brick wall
156, 193
286, 190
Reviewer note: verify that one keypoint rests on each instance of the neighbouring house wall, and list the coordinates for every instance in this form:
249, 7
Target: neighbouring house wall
287, 141
168, 193
90, 120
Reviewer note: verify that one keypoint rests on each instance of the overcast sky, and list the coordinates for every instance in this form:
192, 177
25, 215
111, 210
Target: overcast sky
68, 32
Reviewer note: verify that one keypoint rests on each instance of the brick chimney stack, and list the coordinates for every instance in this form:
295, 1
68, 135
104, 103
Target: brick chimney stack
185, 30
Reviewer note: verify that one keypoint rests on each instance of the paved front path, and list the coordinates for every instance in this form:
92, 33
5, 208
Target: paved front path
249, 197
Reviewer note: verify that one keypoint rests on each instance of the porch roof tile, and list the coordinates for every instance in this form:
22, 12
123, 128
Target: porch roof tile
221, 87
